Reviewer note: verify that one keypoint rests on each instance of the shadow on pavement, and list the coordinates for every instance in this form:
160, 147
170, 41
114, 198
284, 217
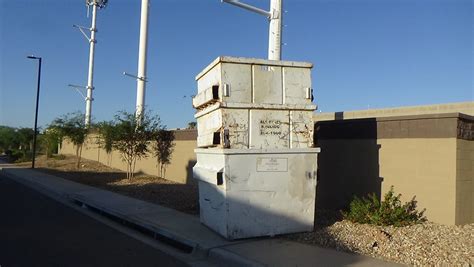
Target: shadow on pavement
182, 197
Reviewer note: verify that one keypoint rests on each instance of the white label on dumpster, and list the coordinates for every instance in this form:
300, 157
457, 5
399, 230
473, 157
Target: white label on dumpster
272, 164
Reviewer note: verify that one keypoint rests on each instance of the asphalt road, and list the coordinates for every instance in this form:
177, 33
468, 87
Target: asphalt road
38, 231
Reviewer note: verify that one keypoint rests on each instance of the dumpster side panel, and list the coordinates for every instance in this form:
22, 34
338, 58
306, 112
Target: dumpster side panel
238, 77
302, 128
274, 194
237, 122
207, 125
213, 207
211, 78
267, 84
269, 128
212, 197
296, 81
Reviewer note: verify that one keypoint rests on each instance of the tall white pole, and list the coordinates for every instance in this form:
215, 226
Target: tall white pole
274, 43
90, 77
141, 79
275, 17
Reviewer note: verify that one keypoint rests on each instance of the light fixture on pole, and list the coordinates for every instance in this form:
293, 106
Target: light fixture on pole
92, 41
36, 110
275, 18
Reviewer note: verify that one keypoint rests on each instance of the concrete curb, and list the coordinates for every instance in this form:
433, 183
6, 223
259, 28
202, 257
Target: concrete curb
149, 226
213, 254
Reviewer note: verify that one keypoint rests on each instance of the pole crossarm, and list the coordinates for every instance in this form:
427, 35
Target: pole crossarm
136, 77
250, 8
82, 28
275, 17
77, 88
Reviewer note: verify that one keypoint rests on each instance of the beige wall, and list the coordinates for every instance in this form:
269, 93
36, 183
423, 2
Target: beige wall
461, 107
425, 168
180, 169
427, 156
465, 182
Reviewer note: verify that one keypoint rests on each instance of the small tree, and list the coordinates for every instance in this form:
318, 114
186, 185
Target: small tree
132, 137
73, 127
192, 125
163, 148
8, 138
107, 134
50, 140
16, 142
25, 138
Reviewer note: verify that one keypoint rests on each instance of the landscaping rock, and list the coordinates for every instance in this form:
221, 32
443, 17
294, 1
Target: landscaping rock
421, 244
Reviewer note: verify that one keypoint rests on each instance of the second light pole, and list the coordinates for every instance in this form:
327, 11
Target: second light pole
142, 56
141, 79
36, 110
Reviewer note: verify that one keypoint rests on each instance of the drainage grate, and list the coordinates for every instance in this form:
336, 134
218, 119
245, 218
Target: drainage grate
144, 230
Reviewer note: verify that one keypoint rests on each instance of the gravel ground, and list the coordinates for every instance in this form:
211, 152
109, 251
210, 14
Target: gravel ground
422, 244
418, 245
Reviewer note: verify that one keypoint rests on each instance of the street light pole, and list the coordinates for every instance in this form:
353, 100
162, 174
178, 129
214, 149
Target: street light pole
36, 111
141, 80
275, 18
96, 4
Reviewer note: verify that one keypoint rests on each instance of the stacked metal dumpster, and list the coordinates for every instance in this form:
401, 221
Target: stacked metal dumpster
256, 164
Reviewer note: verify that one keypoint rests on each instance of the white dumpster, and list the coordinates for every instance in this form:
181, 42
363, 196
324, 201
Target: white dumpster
256, 164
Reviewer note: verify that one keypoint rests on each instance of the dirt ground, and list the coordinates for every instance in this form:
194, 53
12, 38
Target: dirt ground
182, 197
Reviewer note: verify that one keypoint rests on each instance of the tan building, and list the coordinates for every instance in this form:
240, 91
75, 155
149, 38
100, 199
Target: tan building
427, 156
461, 107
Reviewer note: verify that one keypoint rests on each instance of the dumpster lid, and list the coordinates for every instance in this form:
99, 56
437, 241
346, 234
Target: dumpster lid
253, 61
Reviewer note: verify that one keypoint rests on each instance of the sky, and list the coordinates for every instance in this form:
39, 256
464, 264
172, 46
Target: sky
366, 53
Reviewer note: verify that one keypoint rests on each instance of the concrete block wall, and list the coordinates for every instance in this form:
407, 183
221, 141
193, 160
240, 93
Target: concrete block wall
427, 156
464, 181
179, 170
425, 168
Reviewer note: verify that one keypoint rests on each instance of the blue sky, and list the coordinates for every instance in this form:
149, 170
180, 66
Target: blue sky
367, 53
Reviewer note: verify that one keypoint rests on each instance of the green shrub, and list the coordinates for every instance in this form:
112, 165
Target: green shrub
15, 155
389, 211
